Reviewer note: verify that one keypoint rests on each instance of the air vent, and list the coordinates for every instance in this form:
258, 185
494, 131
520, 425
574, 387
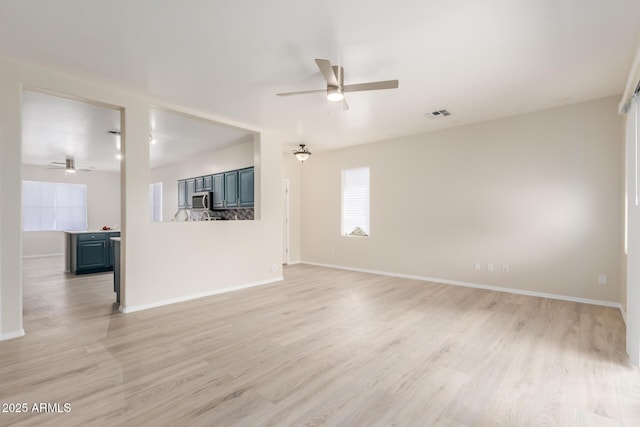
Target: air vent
113, 132
439, 113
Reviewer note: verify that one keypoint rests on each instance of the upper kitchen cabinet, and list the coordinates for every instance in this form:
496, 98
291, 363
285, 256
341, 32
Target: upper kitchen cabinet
231, 189
245, 187
204, 183
182, 194
191, 187
190, 154
218, 190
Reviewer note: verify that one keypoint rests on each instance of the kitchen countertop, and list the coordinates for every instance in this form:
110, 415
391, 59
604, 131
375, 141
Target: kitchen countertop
93, 231
115, 239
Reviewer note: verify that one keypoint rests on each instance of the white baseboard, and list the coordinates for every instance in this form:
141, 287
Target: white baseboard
623, 311
134, 308
474, 285
41, 256
294, 262
11, 335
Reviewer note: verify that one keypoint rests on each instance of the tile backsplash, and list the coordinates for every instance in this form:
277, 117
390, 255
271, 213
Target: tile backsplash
242, 213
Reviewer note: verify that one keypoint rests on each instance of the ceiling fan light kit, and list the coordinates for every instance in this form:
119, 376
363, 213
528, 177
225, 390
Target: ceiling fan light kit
334, 76
302, 153
335, 94
70, 166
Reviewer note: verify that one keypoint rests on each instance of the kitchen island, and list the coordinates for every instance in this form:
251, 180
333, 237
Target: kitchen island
89, 251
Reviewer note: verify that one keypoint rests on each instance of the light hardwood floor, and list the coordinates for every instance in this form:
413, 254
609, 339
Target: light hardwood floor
324, 347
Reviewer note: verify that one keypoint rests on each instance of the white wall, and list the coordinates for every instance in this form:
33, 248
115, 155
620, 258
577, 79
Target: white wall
236, 156
162, 262
103, 206
539, 192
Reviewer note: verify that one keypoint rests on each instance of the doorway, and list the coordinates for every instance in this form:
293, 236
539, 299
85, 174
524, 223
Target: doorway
71, 180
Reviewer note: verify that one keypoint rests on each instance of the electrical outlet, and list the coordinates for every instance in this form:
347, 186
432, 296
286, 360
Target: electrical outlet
490, 267
477, 266
602, 279
505, 268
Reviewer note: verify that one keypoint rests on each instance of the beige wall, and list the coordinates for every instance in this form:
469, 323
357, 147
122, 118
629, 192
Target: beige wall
103, 206
236, 156
291, 171
162, 262
539, 192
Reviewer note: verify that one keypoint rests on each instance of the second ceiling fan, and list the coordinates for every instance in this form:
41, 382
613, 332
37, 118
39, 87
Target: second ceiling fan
334, 75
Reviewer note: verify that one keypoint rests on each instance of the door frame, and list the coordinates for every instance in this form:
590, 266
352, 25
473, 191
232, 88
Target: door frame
286, 222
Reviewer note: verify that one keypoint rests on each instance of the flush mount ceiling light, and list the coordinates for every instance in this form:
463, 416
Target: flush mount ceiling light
302, 153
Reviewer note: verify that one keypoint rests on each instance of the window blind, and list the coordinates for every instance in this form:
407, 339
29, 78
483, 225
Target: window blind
52, 206
155, 197
355, 202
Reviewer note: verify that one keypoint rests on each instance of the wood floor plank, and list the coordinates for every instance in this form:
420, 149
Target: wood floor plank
322, 347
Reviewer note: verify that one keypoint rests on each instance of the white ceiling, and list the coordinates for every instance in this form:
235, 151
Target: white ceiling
54, 128
479, 60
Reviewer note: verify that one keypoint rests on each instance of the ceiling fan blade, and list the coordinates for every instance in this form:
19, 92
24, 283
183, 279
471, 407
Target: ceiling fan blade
58, 163
386, 84
302, 93
327, 71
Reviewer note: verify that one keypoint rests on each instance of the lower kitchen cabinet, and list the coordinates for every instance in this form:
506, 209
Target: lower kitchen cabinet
91, 252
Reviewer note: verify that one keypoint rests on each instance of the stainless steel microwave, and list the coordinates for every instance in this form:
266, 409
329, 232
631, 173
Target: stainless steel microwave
203, 200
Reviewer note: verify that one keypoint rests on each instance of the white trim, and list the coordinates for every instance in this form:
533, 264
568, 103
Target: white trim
474, 285
41, 256
294, 262
632, 82
12, 335
287, 219
623, 311
169, 301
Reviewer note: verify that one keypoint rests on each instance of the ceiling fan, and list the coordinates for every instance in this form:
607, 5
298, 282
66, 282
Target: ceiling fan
69, 166
334, 75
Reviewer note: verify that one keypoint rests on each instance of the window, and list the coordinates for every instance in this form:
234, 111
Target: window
155, 197
355, 202
53, 206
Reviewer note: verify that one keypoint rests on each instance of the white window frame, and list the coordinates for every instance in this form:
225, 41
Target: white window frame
363, 223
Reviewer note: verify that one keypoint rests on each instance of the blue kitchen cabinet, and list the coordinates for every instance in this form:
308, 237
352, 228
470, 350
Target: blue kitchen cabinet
204, 183
182, 194
190, 189
231, 189
110, 244
91, 252
245, 187
207, 183
217, 182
